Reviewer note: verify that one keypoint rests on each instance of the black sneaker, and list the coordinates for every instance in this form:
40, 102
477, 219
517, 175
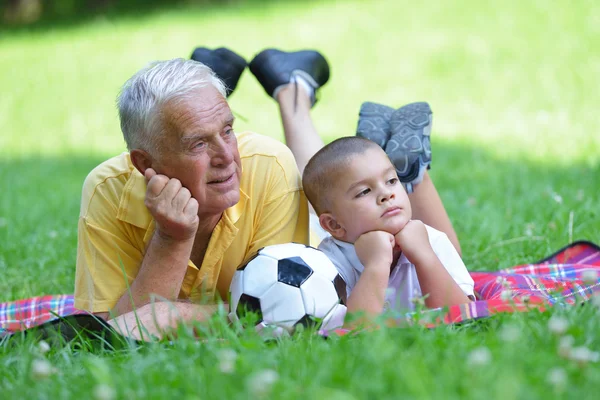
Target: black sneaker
374, 122
274, 68
225, 63
409, 145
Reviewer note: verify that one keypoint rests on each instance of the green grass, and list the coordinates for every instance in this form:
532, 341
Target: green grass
516, 161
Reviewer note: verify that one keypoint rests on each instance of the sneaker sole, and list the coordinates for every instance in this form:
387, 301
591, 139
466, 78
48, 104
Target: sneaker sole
373, 122
409, 146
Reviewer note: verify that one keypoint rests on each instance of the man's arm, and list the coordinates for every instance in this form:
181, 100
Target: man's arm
435, 281
161, 274
165, 262
159, 319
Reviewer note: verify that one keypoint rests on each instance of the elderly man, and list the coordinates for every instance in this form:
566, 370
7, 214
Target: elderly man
173, 218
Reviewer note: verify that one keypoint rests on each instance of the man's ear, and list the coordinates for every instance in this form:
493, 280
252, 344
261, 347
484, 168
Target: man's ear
141, 160
330, 224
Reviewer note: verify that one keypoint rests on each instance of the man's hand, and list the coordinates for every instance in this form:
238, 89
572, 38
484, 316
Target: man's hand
413, 240
172, 206
375, 248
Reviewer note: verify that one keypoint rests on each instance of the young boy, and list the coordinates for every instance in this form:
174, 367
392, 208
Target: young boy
385, 257
354, 188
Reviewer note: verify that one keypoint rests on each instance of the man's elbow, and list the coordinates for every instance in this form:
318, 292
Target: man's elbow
102, 315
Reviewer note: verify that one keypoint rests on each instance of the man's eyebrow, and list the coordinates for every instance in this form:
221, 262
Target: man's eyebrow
192, 137
196, 136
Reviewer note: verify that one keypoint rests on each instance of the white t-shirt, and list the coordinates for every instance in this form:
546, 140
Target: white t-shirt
403, 284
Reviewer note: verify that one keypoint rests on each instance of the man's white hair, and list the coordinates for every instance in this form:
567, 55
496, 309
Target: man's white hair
143, 95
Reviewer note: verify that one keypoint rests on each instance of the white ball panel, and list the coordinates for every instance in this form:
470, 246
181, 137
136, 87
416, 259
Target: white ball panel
259, 275
335, 318
233, 318
236, 289
319, 296
285, 250
282, 305
319, 262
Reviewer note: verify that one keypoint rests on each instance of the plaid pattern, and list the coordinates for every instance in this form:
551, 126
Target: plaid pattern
558, 279
23, 314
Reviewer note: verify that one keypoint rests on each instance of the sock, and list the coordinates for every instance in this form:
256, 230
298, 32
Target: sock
301, 82
304, 83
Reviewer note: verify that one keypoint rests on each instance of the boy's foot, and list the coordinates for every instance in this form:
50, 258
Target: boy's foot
275, 68
225, 63
374, 122
409, 146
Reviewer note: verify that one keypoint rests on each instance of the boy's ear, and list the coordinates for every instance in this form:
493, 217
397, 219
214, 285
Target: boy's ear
141, 160
330, 224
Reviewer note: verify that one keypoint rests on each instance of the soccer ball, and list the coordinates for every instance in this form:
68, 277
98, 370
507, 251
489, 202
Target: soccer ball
287, 285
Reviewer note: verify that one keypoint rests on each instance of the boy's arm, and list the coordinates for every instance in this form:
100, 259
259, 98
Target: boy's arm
374, 250
435, 281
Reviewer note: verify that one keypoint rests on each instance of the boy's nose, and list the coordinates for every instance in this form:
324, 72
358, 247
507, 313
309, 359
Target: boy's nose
386, 196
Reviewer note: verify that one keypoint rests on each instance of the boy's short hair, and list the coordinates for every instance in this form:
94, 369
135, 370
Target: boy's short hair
324, 168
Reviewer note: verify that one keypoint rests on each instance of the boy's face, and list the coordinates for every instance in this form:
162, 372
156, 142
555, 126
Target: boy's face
367, 197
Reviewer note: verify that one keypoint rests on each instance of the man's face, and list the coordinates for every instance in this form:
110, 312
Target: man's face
200, 149
369, 197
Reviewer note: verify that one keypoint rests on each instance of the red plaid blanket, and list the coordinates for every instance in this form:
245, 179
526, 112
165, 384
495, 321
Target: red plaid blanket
569, 276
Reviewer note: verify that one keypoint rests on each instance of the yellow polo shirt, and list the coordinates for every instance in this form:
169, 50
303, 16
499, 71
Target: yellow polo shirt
115, 226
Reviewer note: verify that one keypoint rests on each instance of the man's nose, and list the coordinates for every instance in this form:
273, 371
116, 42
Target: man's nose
222, 153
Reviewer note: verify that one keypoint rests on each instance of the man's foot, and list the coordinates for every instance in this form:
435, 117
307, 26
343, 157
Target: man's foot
275, 68
225, 63
374, 122
409, 146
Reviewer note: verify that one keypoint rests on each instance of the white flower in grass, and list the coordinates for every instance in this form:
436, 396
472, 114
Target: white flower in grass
227, 358
558, 325
529, 228
52, 234
506, 295
589, 276
510, 333
103, 391
479, 357
582, 355
43, 347
565, 345
557, 377
557, 198
260, 383
41, 369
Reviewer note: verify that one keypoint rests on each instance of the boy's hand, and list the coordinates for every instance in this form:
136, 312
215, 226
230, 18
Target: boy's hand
172, 206
375, 248
414, 241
